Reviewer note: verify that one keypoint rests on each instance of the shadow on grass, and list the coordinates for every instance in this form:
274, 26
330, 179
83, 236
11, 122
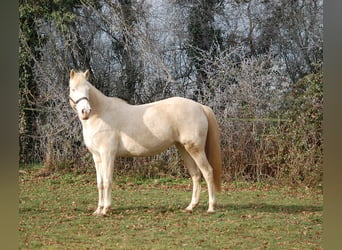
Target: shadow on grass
270, 208
144, 209
220, 209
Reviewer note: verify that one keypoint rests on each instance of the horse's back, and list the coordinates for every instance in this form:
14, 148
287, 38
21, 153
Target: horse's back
179, 110
186, 117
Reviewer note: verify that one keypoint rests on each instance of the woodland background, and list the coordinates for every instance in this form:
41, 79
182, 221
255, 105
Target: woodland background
256, 63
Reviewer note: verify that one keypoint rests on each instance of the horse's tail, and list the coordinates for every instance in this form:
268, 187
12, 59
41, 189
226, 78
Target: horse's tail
212, 147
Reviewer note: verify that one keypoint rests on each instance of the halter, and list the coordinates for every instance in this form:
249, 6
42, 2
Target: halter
75, 102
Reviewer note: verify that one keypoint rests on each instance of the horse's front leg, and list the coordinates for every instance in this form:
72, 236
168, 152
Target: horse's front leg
97, 161
107, 178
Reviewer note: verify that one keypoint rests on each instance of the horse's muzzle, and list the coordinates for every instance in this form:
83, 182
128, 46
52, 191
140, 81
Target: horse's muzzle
85, 114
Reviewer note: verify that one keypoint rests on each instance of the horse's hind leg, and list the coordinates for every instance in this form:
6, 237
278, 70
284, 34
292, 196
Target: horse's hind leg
195, 175
199, 156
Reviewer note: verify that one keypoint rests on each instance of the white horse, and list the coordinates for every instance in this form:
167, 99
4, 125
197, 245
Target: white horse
112, 128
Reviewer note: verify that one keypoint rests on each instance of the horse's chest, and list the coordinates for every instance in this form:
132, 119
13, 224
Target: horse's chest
87, 140
95, 140
90, 139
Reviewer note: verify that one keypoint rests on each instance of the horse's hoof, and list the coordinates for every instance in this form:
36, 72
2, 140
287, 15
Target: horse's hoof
211, 211
187, 210
100, 214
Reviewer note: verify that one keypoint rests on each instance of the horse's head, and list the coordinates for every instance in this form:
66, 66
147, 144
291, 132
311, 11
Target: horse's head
79, 93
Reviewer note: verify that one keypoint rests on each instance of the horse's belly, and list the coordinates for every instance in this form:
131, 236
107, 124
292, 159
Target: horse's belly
142, 146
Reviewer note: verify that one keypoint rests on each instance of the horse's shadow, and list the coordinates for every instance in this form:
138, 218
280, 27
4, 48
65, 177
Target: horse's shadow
221, 209
270, 208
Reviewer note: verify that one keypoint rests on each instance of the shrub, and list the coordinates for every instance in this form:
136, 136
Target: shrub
300, 151
270, 129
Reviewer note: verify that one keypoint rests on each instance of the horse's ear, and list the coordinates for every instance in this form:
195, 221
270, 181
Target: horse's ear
72, 74
87, 74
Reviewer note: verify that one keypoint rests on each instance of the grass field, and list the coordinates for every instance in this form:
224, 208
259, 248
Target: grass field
55, 212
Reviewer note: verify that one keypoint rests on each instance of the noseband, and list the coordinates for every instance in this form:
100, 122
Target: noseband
75, 102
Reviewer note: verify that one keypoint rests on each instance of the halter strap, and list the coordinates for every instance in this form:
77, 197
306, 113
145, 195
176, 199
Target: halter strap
82, 98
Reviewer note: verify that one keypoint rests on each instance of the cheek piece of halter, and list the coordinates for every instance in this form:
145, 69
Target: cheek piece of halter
75, 102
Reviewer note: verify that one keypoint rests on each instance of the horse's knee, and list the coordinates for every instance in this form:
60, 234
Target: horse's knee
99, 185
107, 184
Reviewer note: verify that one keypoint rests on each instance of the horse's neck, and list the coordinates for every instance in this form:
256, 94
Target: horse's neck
97, 99
100, 101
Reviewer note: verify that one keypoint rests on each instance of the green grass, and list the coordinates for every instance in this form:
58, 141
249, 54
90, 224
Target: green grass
56, 213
